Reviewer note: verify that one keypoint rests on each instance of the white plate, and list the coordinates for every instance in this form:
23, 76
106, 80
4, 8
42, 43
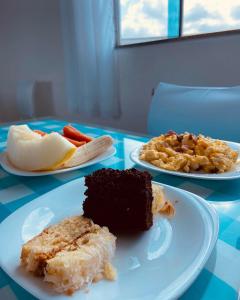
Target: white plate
234, 174
160, 263
7, 166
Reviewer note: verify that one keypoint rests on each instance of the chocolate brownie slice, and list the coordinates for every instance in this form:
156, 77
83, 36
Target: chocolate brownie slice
120, 200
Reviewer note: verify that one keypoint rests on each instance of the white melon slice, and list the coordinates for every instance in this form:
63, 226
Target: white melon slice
30, 151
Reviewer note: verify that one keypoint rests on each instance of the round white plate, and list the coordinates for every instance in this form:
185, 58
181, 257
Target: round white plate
234, 174
160, 263
7, 166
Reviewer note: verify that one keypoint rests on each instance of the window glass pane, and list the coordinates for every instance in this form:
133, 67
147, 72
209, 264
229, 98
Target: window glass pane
143, 20
203, 16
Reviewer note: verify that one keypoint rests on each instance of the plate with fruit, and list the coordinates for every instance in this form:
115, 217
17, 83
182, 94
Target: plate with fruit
36, 153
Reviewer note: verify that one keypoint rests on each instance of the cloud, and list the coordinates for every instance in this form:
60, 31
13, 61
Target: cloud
140, 33
198, 13
210, 16
205, 28
235, 13
158, 13
124, 2
141, 20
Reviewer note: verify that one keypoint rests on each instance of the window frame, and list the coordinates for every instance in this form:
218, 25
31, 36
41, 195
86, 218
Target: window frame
165, 40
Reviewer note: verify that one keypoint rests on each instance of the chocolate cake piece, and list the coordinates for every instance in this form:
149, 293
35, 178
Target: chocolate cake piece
120, 200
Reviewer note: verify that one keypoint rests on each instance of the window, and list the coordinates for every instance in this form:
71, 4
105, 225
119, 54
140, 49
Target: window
148, 20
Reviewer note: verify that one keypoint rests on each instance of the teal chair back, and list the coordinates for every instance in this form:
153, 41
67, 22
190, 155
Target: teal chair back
212, 111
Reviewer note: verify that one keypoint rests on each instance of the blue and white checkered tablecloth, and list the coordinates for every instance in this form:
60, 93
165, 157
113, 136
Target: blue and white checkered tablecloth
220, 279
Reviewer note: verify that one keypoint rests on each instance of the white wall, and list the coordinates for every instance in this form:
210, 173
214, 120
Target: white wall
209, 61
30, 49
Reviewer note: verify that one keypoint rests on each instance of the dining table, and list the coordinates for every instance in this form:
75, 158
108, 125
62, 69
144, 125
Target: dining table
220, 277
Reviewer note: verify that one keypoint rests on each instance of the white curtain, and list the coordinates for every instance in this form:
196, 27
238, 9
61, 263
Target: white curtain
90, 58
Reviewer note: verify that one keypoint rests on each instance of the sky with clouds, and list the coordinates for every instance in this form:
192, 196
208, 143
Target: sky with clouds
149, 18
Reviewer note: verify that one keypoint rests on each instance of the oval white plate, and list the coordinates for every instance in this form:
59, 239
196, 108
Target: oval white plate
7, 166
234, 174
160, 263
